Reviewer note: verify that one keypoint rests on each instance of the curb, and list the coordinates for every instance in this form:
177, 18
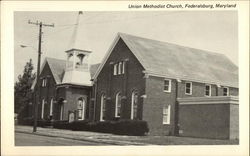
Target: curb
107, 142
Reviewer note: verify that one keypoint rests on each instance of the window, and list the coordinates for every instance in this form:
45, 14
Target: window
118, 101
103, 107
166, 115
207, 90
115, 69
51, 107
167, 85
134, 105
61, 111
42, 111
188, 88
119, 68
44, 82
123, 67
225, 91
81, 109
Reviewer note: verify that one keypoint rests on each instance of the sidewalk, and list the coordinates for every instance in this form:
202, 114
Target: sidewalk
104, 138
111, 139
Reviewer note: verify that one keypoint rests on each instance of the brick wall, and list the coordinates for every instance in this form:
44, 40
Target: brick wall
234, 121
153, 106
73, 93
125, 83
47, 92
232, 91
60, 94
69, 93
209, 117
157, 99
211, 121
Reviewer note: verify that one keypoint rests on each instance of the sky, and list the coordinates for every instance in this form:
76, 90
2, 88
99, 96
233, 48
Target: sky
214, 31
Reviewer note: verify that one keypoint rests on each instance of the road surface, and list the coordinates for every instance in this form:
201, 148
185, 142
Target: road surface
24, 139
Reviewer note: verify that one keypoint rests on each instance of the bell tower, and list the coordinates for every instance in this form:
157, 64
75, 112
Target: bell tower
77, 61
77, 67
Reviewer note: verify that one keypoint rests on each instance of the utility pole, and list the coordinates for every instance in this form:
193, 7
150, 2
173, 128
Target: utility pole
38, 71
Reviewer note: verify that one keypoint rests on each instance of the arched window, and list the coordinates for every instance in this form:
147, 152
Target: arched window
119, 68
80, 59
42, 111
115, 69
118, 101
70, 60
123, 67
51, 107
81, 108
134, 105
61, 102
103, 107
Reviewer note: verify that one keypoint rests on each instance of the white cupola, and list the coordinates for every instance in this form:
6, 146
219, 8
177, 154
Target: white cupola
77, 63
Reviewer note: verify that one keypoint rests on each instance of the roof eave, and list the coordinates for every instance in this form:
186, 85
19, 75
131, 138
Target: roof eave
108, 53
150, 73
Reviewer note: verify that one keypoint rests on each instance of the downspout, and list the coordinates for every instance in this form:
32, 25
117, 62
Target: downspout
95, 99
47, 91
125, 88
111, 66
55, 103
110, 79
89, 102
126, 77
176, 123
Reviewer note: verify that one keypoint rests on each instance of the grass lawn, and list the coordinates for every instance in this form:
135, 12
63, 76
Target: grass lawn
173, 140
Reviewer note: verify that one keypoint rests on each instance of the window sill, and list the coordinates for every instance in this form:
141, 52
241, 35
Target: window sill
166, 91
166, 123
188, 94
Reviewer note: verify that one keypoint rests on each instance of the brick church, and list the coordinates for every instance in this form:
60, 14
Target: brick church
177, 90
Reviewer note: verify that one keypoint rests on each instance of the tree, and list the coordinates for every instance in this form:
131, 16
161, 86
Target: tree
23, 93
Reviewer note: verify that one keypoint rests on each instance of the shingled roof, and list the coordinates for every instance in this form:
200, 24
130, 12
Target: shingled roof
178, 62
57, 67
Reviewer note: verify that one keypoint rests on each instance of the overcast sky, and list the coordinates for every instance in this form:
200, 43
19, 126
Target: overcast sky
214, 31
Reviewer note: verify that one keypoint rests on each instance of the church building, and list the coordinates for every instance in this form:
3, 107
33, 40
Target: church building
177, 90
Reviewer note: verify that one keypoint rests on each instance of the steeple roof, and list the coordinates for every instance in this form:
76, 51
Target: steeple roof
79, 38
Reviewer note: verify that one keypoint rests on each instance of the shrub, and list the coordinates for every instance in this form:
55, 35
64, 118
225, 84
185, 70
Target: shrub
80, 125
29, 121
61, 124
122, 127
44, 123
102, 126
131, 127
25, 121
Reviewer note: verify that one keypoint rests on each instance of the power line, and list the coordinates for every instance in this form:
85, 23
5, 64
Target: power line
73, 24
53, 33
69, 26
133, 18
118, 20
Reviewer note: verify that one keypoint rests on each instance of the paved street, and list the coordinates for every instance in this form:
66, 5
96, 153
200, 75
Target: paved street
24, 139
